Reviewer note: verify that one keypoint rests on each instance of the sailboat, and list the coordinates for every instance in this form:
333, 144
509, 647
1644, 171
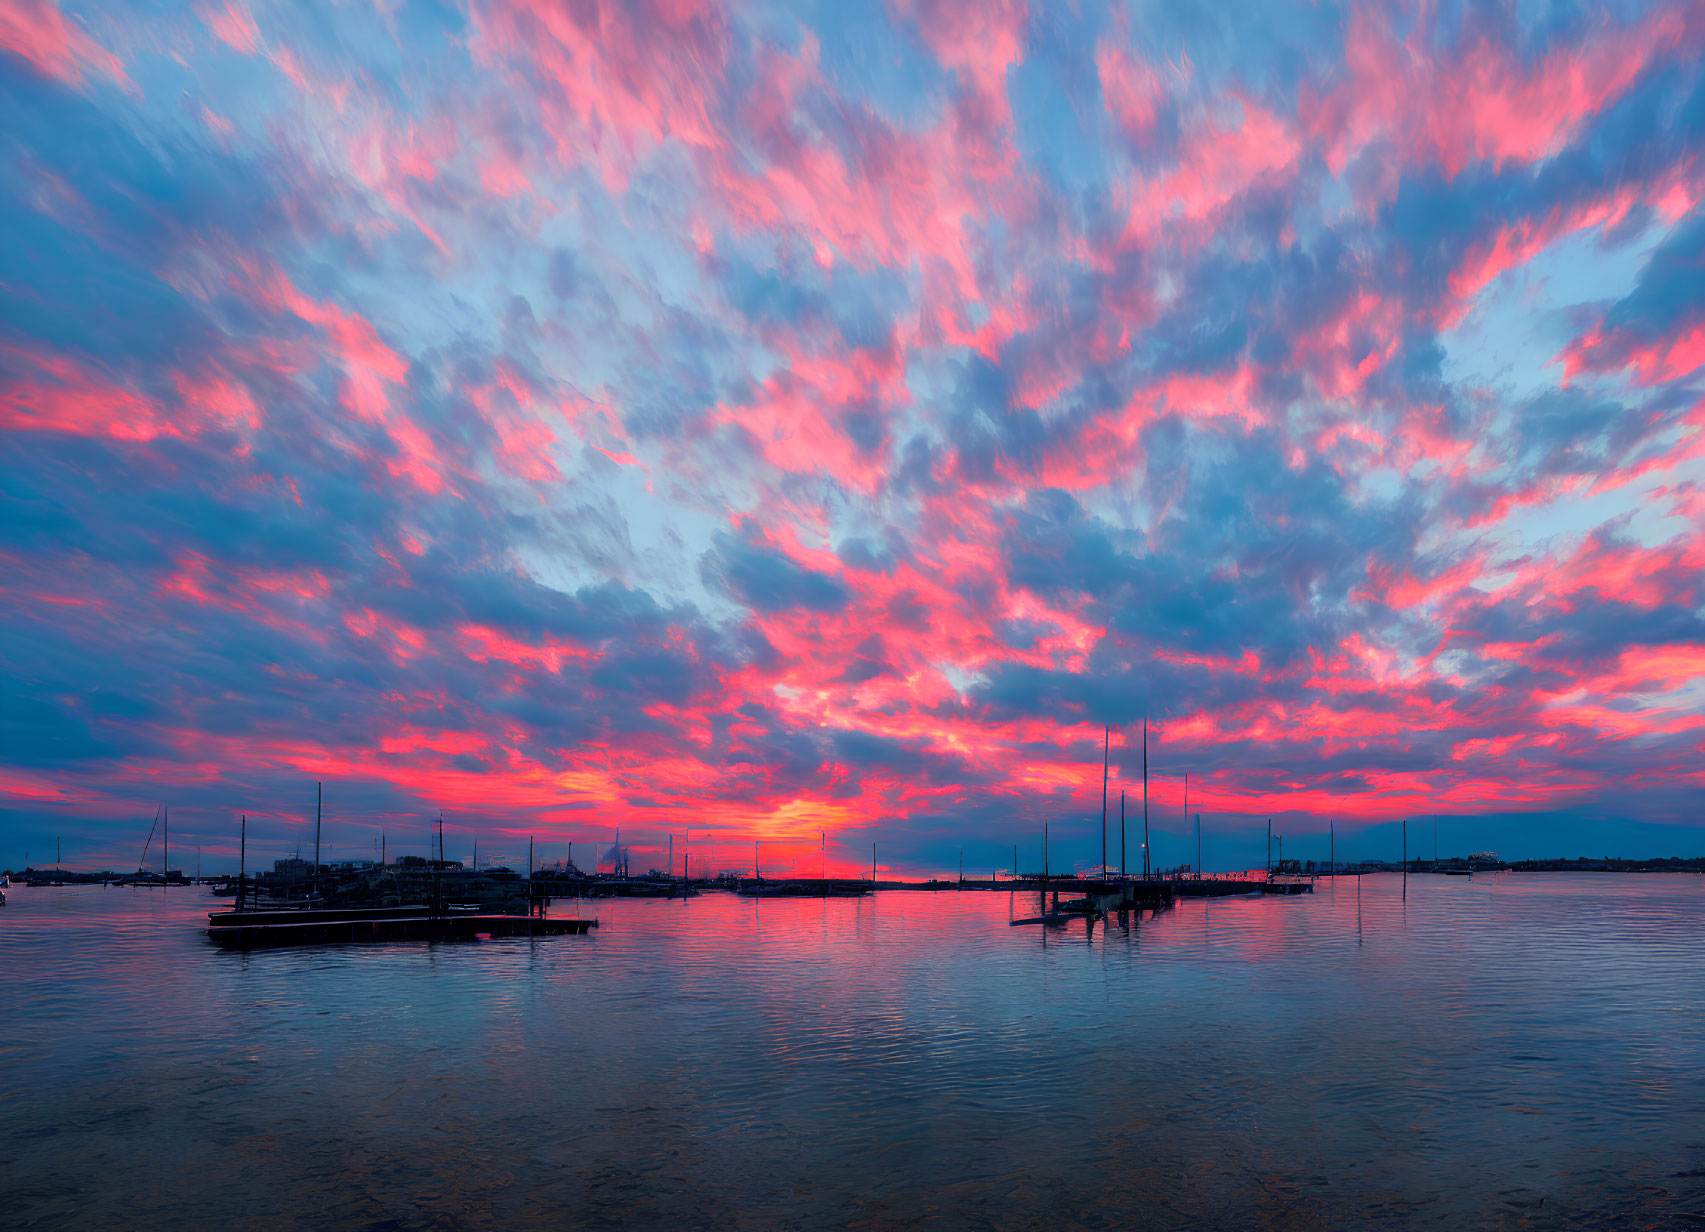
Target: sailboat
142, 876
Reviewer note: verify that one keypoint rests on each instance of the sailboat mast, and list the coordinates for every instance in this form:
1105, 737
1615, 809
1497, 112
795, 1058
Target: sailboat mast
242, 860
1146, 864
1106, 737
166, 863
319, 799
149, 842
1121, 832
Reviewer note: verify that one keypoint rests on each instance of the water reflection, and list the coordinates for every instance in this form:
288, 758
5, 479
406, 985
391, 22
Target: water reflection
1351, 1058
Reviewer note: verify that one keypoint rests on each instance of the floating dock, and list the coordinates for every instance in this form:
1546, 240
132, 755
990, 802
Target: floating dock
246, 930
1223, 887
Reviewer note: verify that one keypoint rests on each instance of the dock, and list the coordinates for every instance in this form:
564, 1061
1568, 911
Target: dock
245, 930
1223, 887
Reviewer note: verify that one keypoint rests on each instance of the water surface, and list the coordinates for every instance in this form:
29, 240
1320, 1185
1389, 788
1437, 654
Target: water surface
1519, 1050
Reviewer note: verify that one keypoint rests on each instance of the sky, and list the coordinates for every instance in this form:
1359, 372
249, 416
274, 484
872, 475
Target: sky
822, 425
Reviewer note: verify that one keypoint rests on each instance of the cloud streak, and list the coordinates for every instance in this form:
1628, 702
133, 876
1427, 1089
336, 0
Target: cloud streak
685, 416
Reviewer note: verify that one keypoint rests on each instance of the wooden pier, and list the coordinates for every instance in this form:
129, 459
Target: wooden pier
1223, 887
244, 930
1094, 898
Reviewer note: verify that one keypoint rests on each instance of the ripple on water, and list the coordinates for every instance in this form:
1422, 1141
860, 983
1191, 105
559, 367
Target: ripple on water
1511, 1051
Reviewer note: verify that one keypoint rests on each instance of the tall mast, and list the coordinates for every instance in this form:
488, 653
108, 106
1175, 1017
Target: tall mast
1145, 796
242, 859
1187, 811
319, 799
1106, 736
166, 864
1121, 832
143, 862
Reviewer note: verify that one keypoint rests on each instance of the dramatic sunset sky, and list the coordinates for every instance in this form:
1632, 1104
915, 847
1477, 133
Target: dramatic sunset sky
760, 420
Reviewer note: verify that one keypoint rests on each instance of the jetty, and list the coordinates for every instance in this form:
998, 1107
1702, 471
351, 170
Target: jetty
1094, 897
245, 930
809, 887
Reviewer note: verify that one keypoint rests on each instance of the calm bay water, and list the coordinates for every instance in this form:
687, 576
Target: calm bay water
1518, 1050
